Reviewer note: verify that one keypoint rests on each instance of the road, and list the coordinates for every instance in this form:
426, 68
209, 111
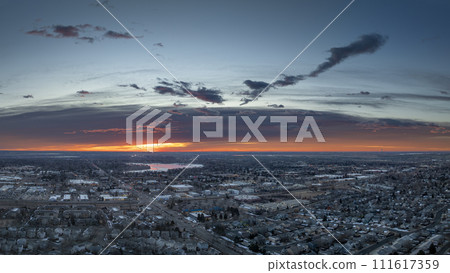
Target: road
198, 231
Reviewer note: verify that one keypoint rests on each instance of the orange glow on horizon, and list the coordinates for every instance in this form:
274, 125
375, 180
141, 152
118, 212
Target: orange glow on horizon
330, 146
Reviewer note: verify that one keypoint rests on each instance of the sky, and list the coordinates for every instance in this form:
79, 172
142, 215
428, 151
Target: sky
377, 78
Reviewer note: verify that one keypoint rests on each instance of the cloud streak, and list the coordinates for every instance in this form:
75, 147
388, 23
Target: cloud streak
117, 35
275, 105
83, 92
84, 32
133, 85
183, 89
366, 44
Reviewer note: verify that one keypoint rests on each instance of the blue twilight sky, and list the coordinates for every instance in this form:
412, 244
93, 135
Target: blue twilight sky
221, 44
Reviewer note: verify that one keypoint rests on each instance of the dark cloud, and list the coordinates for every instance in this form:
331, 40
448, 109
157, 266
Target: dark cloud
61, 31
66, 31
84, 32
164, 82
276, 105
158, 44
288, 80
245, 100
164, 90
183, 89
41, 32
117, 35
256, 85
209, 95
50, 123
366, 44
444, 92
83, 92
28, 97
133, 85
99, 28
383, 124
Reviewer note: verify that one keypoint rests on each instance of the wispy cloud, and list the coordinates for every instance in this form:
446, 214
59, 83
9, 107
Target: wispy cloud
384, 124
83, 92
84, 32
276, 105
41, 32
117, 35
133, 85
416, 97
109, 130
256, 87
66, 31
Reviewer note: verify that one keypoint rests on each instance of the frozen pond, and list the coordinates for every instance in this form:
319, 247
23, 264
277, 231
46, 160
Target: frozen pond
162, 167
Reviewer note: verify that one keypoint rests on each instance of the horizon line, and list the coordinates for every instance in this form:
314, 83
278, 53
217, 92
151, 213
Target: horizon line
362, 151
